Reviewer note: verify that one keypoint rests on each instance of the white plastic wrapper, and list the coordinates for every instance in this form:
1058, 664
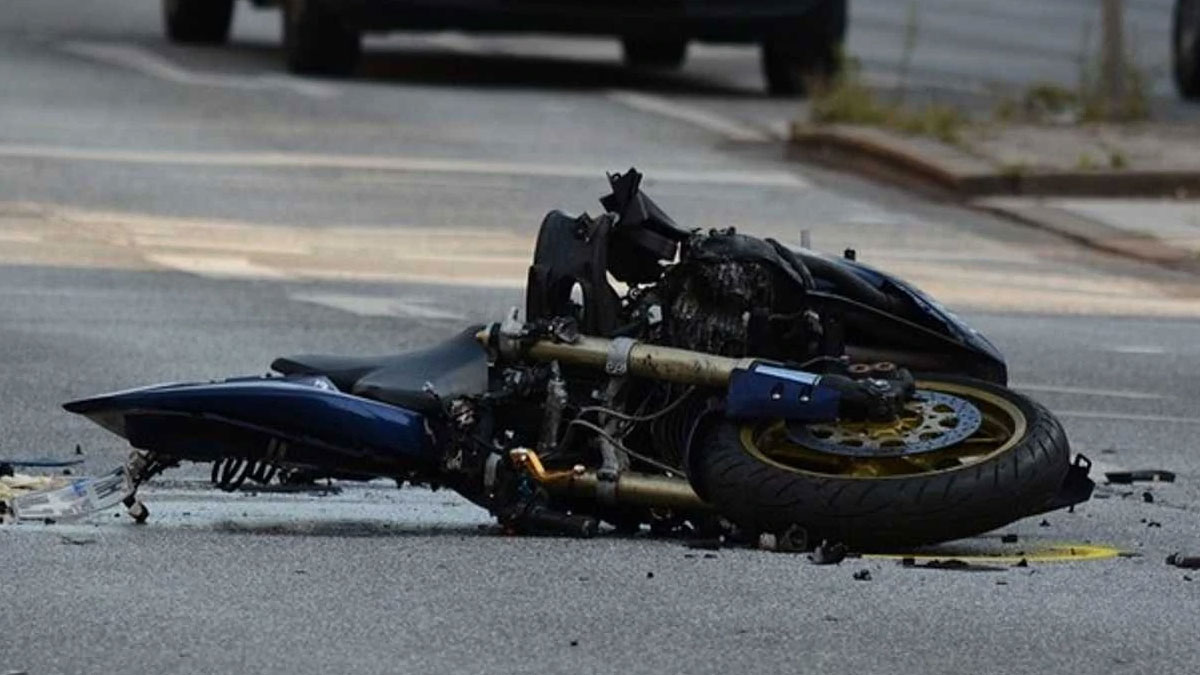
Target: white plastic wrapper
78, 498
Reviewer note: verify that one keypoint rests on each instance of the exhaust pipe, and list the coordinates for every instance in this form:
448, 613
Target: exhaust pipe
629, 488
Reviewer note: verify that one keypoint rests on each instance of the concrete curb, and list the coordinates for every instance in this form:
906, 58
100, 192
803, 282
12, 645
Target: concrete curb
1093, 233
923, 162
926, 164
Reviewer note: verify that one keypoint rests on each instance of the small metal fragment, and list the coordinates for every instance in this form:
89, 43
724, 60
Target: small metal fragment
862, 575
828, 554
792, 540
1184, 562
1145, 475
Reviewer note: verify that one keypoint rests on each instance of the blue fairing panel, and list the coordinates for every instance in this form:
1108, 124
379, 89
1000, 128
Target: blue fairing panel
955, 326
308, 411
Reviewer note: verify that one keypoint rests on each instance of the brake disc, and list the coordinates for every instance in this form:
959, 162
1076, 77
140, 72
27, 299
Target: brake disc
930, 421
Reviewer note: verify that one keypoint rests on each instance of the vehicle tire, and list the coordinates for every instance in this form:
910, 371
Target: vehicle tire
316, 41
1185, 47
806, 54
1019, 460
197, 21
654, 52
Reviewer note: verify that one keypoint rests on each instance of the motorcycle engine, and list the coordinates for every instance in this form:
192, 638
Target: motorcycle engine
736, 296
732, 295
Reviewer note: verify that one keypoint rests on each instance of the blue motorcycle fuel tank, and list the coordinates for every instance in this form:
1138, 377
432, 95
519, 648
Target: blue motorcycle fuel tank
906, 320
294, 421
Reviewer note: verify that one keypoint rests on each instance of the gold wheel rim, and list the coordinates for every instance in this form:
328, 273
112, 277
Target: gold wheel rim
1003, 426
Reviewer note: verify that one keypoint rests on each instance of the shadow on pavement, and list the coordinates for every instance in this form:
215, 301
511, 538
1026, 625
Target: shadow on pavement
498, 70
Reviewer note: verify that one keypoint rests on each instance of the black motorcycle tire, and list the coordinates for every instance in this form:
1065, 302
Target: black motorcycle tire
873, 513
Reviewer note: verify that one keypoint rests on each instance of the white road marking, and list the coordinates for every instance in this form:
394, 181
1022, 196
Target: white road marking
709, 121
149, 63
20, 237
373, 305
1130, 417
400, 163
217, 267
1085, 391
1137, 349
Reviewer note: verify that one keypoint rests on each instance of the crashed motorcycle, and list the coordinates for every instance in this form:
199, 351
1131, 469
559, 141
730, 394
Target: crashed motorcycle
694, 382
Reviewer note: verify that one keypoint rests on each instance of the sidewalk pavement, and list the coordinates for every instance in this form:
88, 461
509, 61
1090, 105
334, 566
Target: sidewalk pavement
1133, 190
1163, 231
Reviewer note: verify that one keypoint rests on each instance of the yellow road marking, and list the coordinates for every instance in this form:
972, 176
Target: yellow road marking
1049, 552
54, 235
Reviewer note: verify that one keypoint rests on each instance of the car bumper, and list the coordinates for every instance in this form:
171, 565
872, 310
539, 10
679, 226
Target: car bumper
730, 20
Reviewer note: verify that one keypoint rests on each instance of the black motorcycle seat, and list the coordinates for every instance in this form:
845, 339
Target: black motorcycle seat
414, 379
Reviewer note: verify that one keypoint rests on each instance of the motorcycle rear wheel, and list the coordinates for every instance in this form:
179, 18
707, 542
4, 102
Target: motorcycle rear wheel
763, 479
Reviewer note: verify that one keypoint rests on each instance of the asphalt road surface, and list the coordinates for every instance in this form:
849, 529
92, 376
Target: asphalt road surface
173, 214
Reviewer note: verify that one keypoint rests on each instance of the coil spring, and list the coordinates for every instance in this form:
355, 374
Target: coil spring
230, 473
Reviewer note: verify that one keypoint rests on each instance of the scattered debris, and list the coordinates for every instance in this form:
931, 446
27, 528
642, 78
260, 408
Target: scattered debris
77, 541
1001, 582
1022, 563
710, 556
1044, 523
1144, 475
862, 575
950, 564
830, 618
574, 643
1008, 539
1184, 562
14, 484
1129, 554
793, 540
828, 554
649, 575
767, 541
1148, 497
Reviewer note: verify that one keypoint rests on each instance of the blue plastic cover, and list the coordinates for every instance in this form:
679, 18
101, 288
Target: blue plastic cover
304, 407
766, 391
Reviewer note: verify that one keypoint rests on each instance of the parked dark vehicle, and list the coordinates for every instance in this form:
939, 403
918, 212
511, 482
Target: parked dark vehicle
800, 38
730, 384
1185, 47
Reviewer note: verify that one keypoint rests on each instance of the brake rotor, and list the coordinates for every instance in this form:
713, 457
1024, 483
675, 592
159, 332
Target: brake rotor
930, 421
